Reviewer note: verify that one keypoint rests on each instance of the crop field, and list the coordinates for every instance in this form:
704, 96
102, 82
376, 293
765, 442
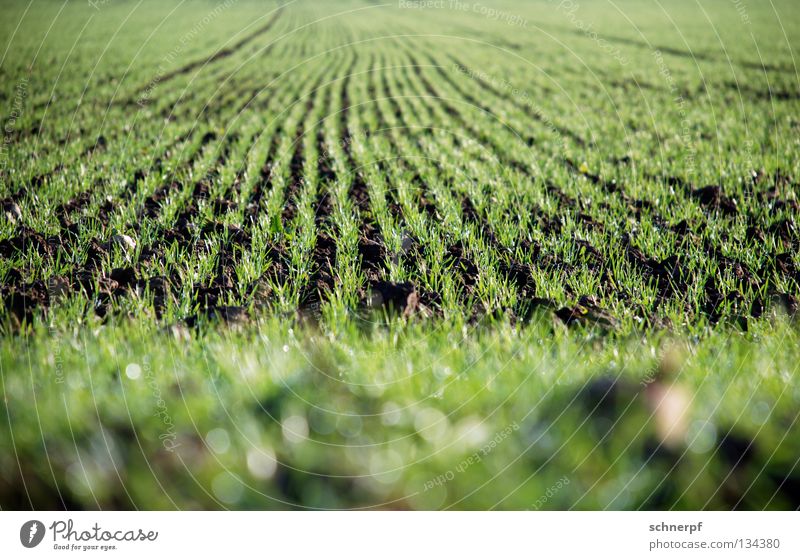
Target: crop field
405, 255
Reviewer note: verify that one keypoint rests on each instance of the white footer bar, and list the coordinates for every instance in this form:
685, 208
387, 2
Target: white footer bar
388, 535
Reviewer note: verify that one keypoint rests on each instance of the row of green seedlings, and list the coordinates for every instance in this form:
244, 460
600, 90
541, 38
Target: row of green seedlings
270, 230
252, 263
585, 288
114, 167
169, 106
302, 230
204, 158
231, 101
429, 159
584, 284
111, 92
699, 254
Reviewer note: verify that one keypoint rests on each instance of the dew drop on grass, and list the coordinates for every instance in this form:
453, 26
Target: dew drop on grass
375, 391
443, 373
386, 467
701, 436
760, 413
431, 424
471, 431
226, 488
261, 463
349, 426
295, 428
80, 478
391, 414
218, 440
321, 421
133, 371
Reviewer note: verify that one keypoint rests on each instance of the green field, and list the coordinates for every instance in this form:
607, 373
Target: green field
412, 255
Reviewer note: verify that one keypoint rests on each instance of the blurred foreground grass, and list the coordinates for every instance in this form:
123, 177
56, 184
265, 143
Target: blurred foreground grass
399, 416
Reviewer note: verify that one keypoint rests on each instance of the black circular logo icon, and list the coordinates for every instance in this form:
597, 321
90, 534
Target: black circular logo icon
31, 533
